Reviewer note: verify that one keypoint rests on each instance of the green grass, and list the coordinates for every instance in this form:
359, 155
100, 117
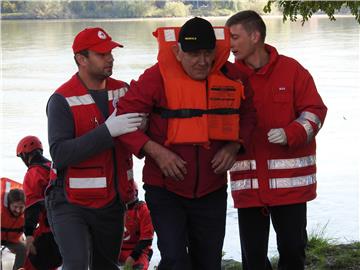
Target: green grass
321, 254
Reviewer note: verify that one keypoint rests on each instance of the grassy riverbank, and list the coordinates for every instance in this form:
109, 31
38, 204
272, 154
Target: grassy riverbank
321, 254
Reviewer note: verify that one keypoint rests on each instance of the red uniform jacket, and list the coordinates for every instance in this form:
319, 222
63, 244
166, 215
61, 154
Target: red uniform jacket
35, 182
138, 226
285, 97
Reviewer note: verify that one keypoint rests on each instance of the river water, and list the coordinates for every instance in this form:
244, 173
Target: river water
37, 58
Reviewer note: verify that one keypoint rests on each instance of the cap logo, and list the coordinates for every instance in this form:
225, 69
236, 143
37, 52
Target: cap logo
101, 35
190, 38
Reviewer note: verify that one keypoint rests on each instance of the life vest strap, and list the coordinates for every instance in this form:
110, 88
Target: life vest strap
188, 113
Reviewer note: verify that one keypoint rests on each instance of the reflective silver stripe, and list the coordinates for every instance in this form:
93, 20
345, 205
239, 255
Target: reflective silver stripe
312, 117
117, 93
130, 174
169, 35
52, 167
219, 33
244, 184
291, 163
291, 182
80, 100
93, 182
308, 128
244, 165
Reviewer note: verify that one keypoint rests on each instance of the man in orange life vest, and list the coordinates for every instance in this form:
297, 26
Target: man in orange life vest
136, 249
192, 140
84, 201
277, 175
41, 248
12, 225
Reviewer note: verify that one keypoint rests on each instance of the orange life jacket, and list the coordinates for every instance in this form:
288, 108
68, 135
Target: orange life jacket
12, 227
6, 185
211, 112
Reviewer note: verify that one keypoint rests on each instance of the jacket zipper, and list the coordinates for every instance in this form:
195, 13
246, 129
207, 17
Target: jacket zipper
113, 151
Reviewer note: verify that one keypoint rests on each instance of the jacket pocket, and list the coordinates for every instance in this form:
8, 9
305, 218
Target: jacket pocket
281, 95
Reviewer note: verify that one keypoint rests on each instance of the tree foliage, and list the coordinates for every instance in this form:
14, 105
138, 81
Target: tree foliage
291, 9
63, 9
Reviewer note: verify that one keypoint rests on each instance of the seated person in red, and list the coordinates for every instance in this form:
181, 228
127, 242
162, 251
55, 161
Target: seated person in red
41, 247
136, 249
12, 225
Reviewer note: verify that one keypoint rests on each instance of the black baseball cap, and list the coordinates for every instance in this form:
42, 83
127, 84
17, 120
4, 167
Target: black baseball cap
197, 34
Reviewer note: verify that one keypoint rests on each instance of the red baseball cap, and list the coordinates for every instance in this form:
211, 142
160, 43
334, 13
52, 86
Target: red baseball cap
94, 39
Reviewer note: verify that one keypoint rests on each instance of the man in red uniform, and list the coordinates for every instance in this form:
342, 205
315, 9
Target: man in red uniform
192, 101
136, 249
42, 250
84, 201
276, 176
12, 225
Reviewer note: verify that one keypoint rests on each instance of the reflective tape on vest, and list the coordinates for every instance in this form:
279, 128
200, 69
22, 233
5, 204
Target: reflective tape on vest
243, 165
117, 93
219, 33
291, 163
80, 100
92, 182
87, 99
244, 184
291, 182
169, 35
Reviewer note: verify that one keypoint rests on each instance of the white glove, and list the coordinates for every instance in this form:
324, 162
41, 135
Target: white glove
277, 135
122, 124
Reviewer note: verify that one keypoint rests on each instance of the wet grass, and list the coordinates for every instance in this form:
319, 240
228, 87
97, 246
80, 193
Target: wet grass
321, 254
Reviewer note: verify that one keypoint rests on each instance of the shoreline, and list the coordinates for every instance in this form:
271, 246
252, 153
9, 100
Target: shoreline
267, 16
321, 254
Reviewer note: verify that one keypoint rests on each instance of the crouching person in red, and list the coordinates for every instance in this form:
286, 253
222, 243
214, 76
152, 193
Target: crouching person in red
136, 249
43, 253
12, 225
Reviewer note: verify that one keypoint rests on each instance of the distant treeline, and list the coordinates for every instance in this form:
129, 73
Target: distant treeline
55, 9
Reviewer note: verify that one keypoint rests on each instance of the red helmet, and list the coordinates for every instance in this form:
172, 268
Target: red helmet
28, 144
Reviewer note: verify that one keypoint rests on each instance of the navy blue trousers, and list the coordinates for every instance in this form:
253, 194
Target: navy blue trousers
190, 231
289, 222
